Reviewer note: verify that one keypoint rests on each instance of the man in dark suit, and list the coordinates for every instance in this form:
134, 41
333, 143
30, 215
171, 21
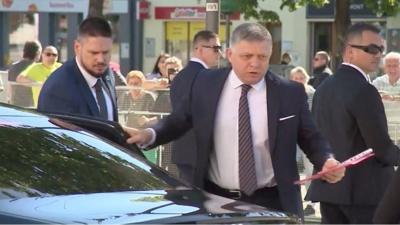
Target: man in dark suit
84, 85
247, 122
387, 211
206, 52
349, 112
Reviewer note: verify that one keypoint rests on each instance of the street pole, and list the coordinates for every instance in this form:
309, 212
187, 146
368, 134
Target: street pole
212, 15
228, 29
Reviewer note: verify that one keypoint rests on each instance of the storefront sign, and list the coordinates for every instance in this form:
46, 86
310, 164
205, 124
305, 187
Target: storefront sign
78, 6
185, 13
211, 7
357, 9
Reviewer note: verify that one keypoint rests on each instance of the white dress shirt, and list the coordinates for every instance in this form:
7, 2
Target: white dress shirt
91, 81
194, 59
224, 160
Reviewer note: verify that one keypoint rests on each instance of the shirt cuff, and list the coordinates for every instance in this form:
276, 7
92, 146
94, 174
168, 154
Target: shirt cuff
152, 140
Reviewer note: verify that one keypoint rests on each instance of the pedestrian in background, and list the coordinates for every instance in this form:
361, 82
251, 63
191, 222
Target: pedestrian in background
37, 73
300, 75
18, 94
321, 69
389, 84
206, 50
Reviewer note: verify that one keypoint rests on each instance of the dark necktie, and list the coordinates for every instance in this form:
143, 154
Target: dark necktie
247, 170
101, 101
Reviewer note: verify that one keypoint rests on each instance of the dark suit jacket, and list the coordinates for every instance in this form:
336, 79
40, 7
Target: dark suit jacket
349, 112
388, 208
66, 91
284, 98
183, 149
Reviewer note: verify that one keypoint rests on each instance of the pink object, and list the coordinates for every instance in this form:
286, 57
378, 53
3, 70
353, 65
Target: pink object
349, 162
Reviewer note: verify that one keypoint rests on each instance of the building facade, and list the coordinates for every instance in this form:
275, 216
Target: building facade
145, 28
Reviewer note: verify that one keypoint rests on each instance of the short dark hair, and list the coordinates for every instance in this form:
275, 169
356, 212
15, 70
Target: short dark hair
31, 49
203, 35
357, 29
95, 27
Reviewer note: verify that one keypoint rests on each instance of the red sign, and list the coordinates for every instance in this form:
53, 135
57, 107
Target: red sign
186, 13
143, 11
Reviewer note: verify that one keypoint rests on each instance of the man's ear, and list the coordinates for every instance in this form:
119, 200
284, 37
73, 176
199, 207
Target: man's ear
77, 47
228, 54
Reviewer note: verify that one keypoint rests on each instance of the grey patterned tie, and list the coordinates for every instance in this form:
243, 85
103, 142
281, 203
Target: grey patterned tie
247, 170
101, 101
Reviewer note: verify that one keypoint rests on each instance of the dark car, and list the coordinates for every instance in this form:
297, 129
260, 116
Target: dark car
53, 171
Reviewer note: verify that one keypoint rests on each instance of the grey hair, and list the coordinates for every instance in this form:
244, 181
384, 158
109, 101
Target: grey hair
391, 55
250, 32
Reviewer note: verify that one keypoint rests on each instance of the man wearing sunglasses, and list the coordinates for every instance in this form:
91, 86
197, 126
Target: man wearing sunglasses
39, 72
206, 50
348, 110
321, 69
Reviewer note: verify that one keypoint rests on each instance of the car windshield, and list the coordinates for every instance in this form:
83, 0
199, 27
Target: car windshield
53, 161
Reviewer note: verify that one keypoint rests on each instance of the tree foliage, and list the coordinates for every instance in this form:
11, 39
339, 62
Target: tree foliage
251, 8
96, 8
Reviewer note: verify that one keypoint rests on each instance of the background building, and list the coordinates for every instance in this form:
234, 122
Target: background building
145, 28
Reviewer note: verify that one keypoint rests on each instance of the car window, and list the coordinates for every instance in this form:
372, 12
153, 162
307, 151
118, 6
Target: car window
53, 161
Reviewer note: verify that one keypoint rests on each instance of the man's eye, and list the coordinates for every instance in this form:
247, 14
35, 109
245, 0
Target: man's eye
262, 57
246, 56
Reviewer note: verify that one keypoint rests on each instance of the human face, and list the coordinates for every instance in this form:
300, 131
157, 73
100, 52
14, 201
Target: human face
136, 83
210, 52
368, 62
94, 54
392, 68
161, 66
298, 77
250, 60
318, 61
49, 56
171, 69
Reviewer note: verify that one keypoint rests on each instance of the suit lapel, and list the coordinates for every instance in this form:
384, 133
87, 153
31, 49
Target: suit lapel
272, 108
85, 90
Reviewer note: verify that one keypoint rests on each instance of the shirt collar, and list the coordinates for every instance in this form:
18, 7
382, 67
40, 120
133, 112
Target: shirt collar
235, 82
90, 80
194, 59
359, 70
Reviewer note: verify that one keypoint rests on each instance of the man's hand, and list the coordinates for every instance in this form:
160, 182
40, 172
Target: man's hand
140, 137
335, 175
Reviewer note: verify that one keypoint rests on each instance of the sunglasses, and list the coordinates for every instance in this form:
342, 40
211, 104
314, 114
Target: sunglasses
48, 54
217, 48
372, 49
